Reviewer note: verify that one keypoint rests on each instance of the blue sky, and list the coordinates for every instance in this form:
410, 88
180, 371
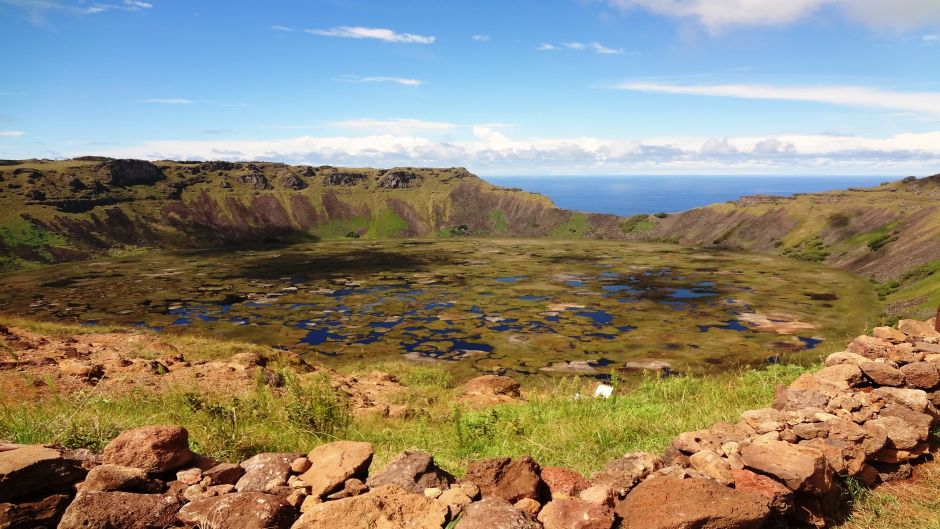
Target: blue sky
503, 88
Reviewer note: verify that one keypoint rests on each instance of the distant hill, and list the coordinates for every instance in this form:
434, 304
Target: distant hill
55, 211
890, 233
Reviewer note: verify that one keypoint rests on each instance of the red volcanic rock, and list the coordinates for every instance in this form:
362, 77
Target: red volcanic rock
152, 448
563, 482
505, 478
670, 503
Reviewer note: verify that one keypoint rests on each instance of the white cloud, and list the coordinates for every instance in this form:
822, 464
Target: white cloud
11, 133
170, 101
489, 135
283, 29
719, 146
547, 47
597, 47
37, 11
488, 151
480, 38
718, 15
358, 32
594, 47
920, 102
127, 5
931, 39
404, 81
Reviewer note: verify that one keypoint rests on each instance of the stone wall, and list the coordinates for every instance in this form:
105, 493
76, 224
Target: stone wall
867, 416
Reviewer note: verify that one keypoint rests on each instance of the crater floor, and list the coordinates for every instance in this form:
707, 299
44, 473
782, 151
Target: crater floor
476, 305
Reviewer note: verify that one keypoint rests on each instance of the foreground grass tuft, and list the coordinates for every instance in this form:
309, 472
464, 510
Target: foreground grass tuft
910, 504
552, 425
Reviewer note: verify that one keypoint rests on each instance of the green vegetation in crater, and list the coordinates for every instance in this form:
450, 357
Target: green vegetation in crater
339, 229
876, 239
636, 224
526, 306
574, 228
916, 292
813, 250
500, 223
386, 225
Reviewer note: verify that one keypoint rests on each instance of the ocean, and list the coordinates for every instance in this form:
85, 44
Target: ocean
629, 195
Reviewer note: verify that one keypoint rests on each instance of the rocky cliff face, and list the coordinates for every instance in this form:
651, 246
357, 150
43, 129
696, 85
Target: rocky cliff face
54, 211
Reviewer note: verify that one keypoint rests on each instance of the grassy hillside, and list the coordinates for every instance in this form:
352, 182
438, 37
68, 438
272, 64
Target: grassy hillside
889, 233
55, 211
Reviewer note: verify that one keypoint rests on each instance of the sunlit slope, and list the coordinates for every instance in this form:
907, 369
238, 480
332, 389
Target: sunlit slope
890, 233
54, 211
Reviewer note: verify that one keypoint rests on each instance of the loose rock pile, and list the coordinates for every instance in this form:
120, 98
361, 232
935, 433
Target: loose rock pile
867, 416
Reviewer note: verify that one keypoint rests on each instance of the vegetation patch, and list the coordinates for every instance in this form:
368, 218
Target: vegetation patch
552, 426
636, 224
500, 223
386, 225
19, 232
876, 239
342, 228
575, 228
813, 250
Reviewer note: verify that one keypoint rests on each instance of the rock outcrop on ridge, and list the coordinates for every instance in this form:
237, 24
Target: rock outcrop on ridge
867, 415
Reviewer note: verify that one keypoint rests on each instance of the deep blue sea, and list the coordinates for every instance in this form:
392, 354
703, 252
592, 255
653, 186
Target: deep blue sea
629, 195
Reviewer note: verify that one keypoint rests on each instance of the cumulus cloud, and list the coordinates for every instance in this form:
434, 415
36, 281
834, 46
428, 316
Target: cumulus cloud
359, 32
404, 81
490, 151
547, 47
282, 29
480, 38
719, 15
718, 146
861, 96
11, 133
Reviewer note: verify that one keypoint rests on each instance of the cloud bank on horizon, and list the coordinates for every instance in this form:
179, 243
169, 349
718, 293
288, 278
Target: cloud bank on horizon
573, 87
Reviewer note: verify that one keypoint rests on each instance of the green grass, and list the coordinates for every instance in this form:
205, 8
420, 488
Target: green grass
385, 225
812, 250
636, 224
338, 229
918, 290
910, 504
575, 228
19, 232
16, 232
875, 239
500, 223
552, 426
